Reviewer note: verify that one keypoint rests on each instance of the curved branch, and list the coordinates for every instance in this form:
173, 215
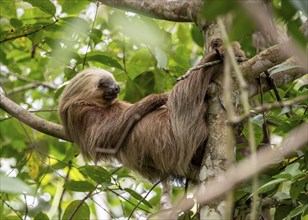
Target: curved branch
170, 10
21, 89
25, 79
274, 56
245, 169
263, 61
30, 119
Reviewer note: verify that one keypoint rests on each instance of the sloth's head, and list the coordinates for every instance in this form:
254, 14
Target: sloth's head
95, 86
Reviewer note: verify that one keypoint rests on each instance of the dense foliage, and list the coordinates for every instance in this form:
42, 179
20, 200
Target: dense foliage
45, 43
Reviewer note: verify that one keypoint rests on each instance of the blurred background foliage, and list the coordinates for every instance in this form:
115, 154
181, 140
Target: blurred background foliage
45, 43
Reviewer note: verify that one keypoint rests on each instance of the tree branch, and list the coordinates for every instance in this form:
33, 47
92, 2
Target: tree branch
21, 89
264, 108
170, 10
37, 83
245, 169
274, 56
30, 119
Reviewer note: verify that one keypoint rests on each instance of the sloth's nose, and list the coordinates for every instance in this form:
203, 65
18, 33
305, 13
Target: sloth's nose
116, 88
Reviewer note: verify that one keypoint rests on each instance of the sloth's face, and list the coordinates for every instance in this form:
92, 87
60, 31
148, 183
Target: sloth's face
96, 86
109, 88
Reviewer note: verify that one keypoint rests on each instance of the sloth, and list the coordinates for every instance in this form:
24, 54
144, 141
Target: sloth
162, 135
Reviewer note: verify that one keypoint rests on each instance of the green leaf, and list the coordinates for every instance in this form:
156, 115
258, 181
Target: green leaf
97, 173
76, 25
138, 197
70, 72
83, 210
141, 86
212, 8
279, 69
258, 120
21, 31
59, 91
16, 23
306, 160
96, 36
293, 169
141, 61
71, 154
297, 187
294, 30
297, 211
104, 59
41, 216
258, 131
77, 6
287, 126
269, 186
44, 5
287, 10
182, 33
8, 9
300, 5
283, 175
79, 186
242, 26
282, 211
141, 29
161, 57
12, 217
13, 185
197, 36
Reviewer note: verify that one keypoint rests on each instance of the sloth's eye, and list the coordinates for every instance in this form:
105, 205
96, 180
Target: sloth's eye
102, 84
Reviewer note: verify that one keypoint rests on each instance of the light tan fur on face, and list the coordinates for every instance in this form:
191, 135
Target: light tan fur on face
165, 142
84, 87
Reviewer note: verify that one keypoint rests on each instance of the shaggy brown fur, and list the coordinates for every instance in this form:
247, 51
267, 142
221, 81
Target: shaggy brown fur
164, 142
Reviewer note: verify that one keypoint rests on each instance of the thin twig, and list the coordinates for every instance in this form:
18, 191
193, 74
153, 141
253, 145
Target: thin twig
25, 79
119, 195
26, 206
212, 63
273, 85
245, 169
187, 74
124, 54
32, 111
245, 103
267, 107
144, 198
89, 194
103, 208
63, 191
165, 199
228, 104
30, 119
21, 89
30, 33
8, 205
90, 38
266, 132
